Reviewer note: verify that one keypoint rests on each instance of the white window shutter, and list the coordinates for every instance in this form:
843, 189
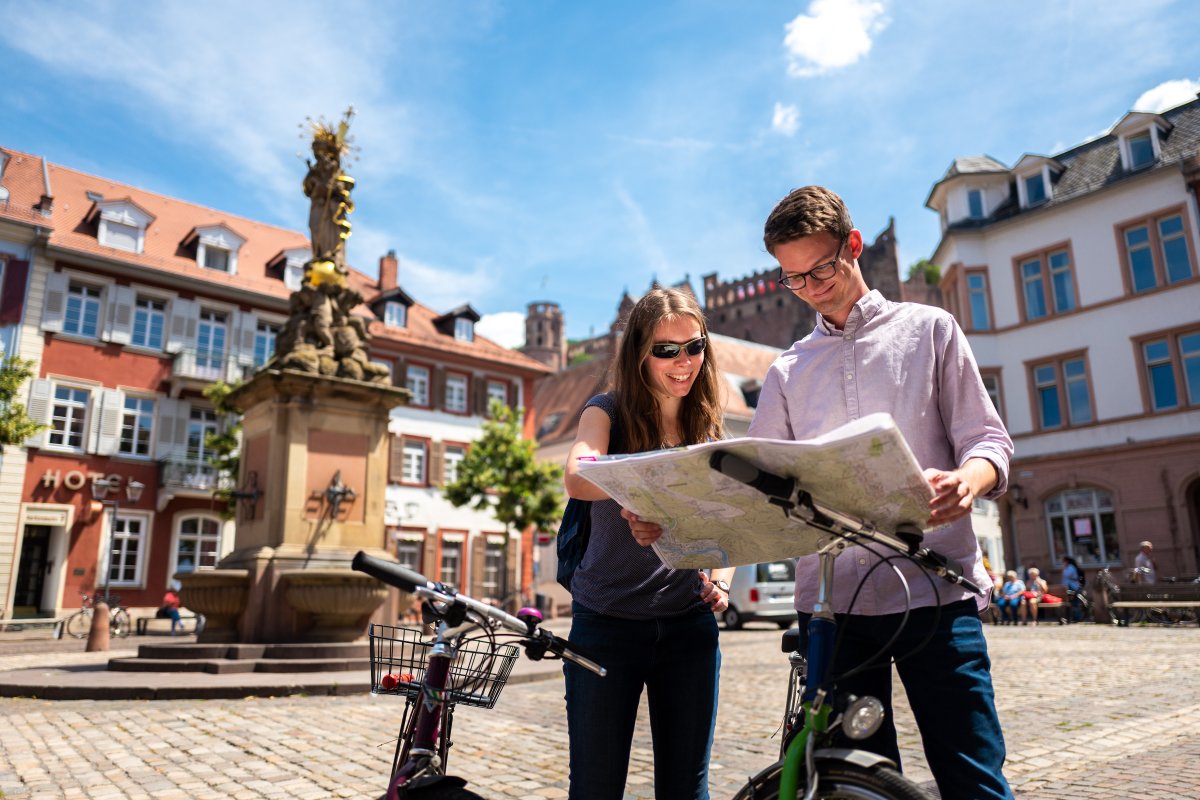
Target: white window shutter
109, 408
181, 329
39, 409
246, 344
170, 429
55, 310
121, 300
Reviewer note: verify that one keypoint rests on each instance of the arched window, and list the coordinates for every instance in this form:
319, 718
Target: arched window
1082, 525
197, 543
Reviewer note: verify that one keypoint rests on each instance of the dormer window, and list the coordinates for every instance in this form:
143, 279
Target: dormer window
1035, 189
121, 225
1141, 151
395, 313
216, 247
464, 329
975, 203
459, 323
288, 266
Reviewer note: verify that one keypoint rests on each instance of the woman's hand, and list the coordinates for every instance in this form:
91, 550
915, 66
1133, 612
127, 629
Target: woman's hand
644, 532
709, 593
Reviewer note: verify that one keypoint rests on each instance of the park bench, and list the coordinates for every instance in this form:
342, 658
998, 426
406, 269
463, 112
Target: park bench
188, 623
1056, 611
1157, 597
53, 624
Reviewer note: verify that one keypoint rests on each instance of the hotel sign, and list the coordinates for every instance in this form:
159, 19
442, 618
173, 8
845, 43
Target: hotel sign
76, 479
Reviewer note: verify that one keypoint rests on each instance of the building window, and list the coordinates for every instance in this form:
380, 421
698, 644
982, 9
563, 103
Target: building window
979, 301
417, 381
83, 311
210, 341
1035, 189
67, 418
497, 390
1157, 252
451, 569
202, 422
395, 313
991, 383
456, 393
408, 552
120, 236
975, 203
464, 329
1141, 151
127, 543
149, 318
451, 458
1047, 284
293, 274
137, 426
415, 458
1063, 393
1172, 366
265, 335
198, 545
212, 257
493, 568
1082, 525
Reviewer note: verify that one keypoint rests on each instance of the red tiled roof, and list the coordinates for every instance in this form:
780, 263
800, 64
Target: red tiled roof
175, 221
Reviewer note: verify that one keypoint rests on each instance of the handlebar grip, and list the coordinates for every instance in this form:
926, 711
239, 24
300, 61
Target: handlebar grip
390, 573
740, 469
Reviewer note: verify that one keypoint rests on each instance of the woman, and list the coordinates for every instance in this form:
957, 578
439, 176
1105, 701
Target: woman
647, 624
1072, 578
1035, 590
1012, 599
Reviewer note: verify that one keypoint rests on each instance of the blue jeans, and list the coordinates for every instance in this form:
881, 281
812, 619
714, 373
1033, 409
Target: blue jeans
678, 661
949, 686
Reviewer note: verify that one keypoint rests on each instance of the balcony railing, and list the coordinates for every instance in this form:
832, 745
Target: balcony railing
209, 367
192, 475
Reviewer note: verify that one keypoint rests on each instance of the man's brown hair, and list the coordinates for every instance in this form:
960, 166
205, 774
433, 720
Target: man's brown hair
807, 211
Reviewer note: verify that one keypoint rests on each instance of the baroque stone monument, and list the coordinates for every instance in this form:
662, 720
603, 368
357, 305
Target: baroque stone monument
314, 453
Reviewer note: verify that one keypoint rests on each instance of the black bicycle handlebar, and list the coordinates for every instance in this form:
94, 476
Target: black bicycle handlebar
782, 490
539, 639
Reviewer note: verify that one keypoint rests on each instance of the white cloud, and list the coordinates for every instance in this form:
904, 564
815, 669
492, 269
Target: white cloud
505, 328
833, 34
1167, 94
786, 119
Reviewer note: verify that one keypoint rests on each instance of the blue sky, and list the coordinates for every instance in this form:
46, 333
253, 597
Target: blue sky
535, 150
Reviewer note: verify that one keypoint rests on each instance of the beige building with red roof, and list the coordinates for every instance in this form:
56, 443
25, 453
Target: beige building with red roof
130, 303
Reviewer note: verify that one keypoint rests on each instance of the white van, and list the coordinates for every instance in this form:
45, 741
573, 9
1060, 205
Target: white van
763, 593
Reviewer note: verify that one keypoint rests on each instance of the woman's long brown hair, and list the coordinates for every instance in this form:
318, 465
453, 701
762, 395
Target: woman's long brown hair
637, 404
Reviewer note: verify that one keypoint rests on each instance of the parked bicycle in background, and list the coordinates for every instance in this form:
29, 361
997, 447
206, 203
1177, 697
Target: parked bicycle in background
80, 623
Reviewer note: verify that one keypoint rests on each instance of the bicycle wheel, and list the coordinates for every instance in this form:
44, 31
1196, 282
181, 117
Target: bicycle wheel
119, 623
79, 623
839, 780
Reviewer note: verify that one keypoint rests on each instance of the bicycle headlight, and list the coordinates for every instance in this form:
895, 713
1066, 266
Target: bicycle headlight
863, 717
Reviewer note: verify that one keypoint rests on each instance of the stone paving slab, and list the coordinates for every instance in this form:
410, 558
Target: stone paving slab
1089, 712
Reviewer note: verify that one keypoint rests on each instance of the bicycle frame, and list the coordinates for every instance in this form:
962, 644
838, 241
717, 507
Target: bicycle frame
420, 754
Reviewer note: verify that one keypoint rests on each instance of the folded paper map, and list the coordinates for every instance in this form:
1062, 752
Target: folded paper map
864, 469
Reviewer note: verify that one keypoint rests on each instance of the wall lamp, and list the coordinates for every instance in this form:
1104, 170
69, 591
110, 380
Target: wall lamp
1016, 493
337, 493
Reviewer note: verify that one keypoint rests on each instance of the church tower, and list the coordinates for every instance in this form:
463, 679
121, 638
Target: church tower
545, 337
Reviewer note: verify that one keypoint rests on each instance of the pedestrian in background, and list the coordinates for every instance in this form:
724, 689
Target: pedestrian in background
1012, 599
170, 610
649, 625
1145, 570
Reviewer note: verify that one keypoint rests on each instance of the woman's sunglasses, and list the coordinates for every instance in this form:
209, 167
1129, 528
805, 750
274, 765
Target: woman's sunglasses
671, 350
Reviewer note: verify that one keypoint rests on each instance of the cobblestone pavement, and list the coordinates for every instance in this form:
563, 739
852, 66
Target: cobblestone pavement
1089, 711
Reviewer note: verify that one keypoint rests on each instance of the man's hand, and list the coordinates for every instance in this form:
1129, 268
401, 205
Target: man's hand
955, 491
644, 532
717, 600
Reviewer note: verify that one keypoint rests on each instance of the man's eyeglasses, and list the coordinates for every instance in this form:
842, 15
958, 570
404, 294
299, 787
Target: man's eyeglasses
671, 350
821, 272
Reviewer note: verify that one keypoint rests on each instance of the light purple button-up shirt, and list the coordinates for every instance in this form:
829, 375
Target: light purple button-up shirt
913, 362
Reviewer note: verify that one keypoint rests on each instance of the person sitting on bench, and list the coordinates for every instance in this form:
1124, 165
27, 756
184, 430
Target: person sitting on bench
170, 610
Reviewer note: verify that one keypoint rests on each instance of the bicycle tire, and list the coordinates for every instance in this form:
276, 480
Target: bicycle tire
839, 780
79, 624
119, 623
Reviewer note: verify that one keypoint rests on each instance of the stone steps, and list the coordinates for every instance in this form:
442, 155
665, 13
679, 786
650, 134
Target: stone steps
244, 658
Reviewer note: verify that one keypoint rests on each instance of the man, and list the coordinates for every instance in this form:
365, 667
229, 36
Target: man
1146, 571
865, 355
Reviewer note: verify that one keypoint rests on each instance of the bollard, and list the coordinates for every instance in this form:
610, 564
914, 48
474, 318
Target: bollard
98, 633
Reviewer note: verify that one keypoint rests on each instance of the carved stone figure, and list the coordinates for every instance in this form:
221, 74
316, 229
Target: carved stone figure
322, 335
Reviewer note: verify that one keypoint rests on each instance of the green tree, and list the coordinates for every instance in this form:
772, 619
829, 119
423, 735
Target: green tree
223, 445
933, 273
15, 424
500, 474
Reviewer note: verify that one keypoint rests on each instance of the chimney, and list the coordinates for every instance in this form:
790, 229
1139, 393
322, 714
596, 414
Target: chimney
389, 266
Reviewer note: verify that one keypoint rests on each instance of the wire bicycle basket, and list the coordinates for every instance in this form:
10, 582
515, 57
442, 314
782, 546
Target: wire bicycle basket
477, 674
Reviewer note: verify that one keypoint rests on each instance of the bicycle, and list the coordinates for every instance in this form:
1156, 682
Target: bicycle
464, 663
815, 709
79, 624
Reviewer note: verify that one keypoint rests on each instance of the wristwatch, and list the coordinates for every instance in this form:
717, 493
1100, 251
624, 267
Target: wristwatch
722, 585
